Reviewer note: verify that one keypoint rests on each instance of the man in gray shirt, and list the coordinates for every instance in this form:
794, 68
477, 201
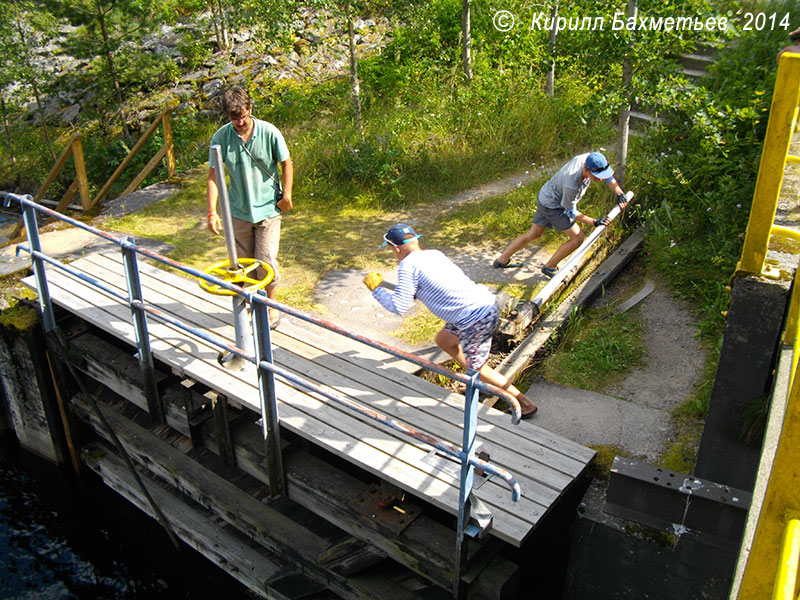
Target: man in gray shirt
557, 207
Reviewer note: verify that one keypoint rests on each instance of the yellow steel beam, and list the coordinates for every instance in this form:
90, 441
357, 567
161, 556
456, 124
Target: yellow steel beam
773, 163
786, 581
781, 502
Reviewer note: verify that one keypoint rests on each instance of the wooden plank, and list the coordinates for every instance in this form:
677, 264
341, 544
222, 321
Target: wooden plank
608, 269
426, 546
542, 493
166, 127
341, 432
290, 540
106, 364
518, 508
611, 267
126, 161
395, 460
56, 169
433, 424
250, 566
371, 360
80, 173
153, 162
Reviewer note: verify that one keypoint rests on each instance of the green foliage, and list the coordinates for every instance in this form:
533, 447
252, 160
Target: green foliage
695, 177
194, 52
596, 348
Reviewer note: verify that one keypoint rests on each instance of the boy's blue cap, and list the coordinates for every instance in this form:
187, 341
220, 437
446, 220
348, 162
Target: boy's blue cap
396, 236
597, 164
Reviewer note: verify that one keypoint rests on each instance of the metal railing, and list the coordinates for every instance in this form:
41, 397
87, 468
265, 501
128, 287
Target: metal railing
786, 580
774, 156
763, 570
266, 368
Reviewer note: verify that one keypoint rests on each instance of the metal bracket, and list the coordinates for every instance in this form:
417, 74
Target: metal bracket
395, 517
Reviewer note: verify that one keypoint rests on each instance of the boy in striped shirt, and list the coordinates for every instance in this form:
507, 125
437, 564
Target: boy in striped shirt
468, 309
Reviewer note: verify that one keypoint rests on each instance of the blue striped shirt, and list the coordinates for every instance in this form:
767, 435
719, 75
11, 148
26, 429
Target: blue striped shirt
439, 284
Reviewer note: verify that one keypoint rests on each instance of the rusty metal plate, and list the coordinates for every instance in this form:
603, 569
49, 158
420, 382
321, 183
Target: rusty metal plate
395, 517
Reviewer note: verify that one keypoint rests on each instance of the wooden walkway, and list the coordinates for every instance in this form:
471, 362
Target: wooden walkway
544, 464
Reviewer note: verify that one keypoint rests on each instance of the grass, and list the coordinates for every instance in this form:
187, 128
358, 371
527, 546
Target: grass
596, 348
419, 328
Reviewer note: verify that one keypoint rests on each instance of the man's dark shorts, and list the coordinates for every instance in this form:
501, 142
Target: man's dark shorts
552, 217
476, 338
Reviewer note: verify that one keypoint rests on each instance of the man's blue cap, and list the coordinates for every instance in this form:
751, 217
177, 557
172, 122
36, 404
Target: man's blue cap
396, 236
597, 164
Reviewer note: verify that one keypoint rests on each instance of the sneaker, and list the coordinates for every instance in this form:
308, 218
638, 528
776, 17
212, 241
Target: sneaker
548, 271
506, 265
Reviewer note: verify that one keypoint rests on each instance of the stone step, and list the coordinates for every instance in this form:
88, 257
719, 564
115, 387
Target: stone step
696, 61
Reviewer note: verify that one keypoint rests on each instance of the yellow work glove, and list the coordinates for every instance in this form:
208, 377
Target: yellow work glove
373, 280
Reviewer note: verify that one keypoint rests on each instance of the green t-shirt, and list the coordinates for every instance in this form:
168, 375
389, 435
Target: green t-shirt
251, 192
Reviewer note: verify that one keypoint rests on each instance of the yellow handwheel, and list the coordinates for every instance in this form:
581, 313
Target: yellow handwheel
241, 277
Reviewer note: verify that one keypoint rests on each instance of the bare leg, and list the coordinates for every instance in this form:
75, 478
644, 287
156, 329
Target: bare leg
576, 238
274, 313
489, 375
452, 345
519, 242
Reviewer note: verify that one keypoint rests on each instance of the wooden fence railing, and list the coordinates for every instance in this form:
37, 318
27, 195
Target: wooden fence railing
81, 184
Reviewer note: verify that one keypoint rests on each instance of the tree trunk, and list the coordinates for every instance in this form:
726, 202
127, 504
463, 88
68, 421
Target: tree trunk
354, 84
625, 112
549, 87
9, 139
219, 25
466, 40
112, 70
35, 86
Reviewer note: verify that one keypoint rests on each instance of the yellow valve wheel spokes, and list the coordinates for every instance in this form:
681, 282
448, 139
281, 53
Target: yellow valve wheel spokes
241, 277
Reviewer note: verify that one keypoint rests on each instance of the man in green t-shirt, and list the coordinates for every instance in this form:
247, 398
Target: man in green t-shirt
251, 151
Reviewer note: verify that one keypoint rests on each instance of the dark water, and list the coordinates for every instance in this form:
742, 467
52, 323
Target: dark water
59, 540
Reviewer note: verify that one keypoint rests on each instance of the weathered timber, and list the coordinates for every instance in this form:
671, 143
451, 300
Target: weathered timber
351, 556
516, 360
27, 387
291, 584
544, 464
611, 267
108, 364
219, 404
253, 567
527, 314
425, 546
289, 540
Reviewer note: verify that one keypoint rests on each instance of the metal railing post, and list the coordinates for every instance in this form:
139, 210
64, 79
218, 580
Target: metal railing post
777, 140
135, 299
242, 332
466, 480
270, 422
786, 579
32, 229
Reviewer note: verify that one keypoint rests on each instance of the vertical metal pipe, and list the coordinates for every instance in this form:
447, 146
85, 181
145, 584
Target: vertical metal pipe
270, 422
154, 405
32, 229
242, 331
467, 476
224, 205
241, 325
